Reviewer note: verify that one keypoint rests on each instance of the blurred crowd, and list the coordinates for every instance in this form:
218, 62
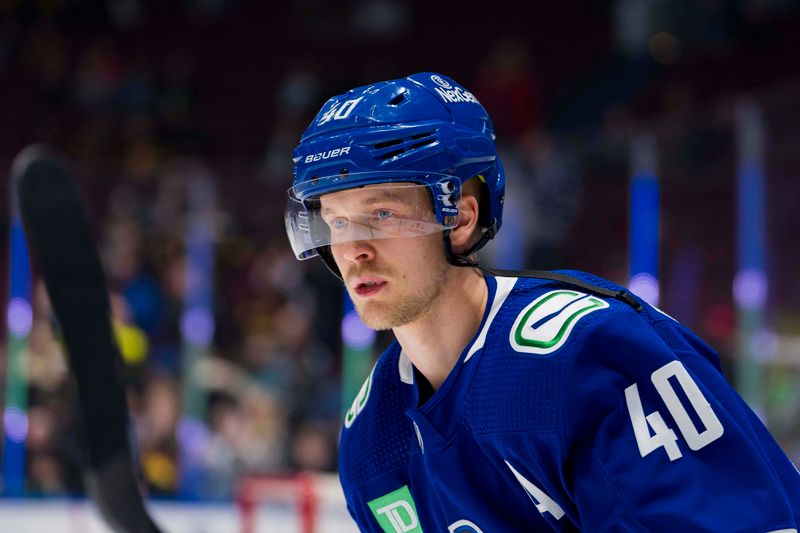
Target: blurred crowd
124, 89
127, 120
269, 385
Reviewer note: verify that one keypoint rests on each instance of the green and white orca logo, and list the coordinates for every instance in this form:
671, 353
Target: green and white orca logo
545, 324
359, 402
396, 512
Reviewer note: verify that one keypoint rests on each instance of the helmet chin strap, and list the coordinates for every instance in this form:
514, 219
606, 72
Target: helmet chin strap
463, 260
327, 257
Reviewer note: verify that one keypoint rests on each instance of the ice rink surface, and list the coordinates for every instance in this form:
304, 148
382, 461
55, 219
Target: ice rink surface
80, 516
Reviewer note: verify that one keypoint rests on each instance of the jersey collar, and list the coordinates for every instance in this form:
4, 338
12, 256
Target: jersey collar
499, 289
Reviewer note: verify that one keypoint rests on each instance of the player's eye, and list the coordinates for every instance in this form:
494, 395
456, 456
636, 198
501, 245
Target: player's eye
382, 215
337, 223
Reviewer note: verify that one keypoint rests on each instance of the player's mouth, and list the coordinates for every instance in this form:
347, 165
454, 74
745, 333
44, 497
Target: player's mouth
368, 286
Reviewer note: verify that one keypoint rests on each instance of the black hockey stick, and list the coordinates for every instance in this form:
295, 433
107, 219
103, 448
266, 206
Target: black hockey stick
59, 236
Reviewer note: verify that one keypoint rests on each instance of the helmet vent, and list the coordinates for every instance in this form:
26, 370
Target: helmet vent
393, 153
387, 144
398, 99
402, 145
420, 144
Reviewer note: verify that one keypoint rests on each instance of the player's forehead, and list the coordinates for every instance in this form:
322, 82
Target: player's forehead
410, 194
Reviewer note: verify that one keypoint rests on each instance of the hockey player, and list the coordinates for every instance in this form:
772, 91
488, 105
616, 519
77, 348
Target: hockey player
515, 401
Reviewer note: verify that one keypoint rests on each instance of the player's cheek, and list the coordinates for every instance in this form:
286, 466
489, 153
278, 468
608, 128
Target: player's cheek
338, 253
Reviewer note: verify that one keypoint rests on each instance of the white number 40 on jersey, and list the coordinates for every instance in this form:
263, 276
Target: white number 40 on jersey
662, 435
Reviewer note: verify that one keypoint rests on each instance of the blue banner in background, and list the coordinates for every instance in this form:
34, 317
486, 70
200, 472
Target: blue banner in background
19, 319
644, 220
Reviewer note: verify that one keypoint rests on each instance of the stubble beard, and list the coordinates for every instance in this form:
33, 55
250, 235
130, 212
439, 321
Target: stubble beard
415, 301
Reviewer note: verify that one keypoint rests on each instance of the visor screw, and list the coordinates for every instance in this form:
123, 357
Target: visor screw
344, 172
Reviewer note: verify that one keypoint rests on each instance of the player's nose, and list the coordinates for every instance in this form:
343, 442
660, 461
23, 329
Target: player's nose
357, 251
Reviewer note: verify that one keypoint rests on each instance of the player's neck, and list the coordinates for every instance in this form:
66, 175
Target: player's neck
436, 339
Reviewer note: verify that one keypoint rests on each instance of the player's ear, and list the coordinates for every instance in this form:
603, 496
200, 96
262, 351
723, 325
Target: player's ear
463, 235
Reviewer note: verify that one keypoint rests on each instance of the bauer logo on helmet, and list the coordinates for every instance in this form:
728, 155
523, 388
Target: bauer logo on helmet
330, 154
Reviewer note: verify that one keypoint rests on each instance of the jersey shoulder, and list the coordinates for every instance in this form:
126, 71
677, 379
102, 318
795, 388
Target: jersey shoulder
526, 367
376, 436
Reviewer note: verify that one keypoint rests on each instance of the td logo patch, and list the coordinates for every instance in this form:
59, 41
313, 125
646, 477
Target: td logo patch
546, 323
396, 512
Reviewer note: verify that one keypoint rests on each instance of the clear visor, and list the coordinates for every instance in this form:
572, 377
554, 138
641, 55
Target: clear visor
383, 211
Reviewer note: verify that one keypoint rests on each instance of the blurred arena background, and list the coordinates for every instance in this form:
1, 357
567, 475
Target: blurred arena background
179, 119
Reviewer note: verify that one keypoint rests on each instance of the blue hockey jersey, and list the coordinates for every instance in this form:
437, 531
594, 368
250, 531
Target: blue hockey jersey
567, 411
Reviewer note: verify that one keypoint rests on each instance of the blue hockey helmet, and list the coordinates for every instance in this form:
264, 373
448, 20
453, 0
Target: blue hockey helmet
424, 130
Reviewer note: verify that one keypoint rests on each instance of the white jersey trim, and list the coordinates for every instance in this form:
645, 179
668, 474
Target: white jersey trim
504, 286
406, 368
